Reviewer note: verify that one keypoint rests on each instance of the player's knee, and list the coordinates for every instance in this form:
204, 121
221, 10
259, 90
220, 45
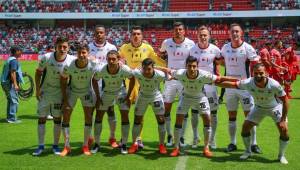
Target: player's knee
160, 119
87, 124
65, 125
284, 138
245, 134
57, 121
42, 120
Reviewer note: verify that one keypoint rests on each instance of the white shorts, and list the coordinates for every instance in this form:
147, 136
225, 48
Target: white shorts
110, 99
212, 95
87, 100
257, 114
200, 104
172, 88
49, 105
233, 96
142, 103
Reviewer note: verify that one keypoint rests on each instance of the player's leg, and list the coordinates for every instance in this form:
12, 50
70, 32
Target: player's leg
159, 109
139, 111
88, 118
57, 112
232, 106
112, 121
124, 109
212, 96
179, 89
98, 129
195, 122
247, 104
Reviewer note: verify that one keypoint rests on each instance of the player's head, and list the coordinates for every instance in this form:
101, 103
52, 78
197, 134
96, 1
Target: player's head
112, 58
259, 72
83, 51
268, 45
253, 42
191, 64
16, 51
278, 44
136, 34
148, 67
236, 32
100, 34
62, 46
178, 30
214, 41
203, 35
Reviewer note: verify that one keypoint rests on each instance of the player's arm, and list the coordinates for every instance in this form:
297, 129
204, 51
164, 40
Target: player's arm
159, 61
63, 87
97, 92
285, 106
37, 78
130, 88
227, 84
13, 78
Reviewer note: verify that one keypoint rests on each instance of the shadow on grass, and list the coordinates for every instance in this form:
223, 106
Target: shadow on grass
29, 117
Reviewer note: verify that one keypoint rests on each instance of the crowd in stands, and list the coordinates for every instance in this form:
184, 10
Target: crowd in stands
35, 41
20, 6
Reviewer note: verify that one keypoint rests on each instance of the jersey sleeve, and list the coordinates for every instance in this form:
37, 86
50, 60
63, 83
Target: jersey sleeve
178, 74
127, 72
13, 65
42, 63
278, 89
244, 84
163, 47
155, 58
207, 77
251, 53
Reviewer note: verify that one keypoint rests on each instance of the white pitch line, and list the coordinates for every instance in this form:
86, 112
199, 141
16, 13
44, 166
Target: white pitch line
182, 160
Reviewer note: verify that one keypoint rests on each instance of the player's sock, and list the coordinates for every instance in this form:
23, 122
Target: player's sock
214, 124
125, 132
184, 124
112, 121
207, 133
177, 135
56, 132
247, 141
195, 122
161, 132
41, 133
232, 131
136, 131
66, 133
283, 142
253, 136
86, 133
168, 124
97, 131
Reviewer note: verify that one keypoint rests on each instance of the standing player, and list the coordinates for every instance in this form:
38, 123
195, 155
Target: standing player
276, 61
134, 53
114, 92
266, 92
99, 49
237, 57
149, 94
48, 93
208, 56
177, 49
266, 57
79, 73
193, 80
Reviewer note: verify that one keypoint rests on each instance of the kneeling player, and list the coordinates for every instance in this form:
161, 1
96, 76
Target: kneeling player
265, 91
149, 94
48, 92
193, 81
113, 74
79, 74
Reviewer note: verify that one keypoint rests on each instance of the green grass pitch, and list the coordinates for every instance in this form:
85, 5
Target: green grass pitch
18, 141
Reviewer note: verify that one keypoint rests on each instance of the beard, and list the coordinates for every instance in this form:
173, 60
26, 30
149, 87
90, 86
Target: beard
259, 79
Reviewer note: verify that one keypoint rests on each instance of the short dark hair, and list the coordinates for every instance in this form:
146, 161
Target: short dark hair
191, 59
113, 52
257, 65
136, 27
148, 62
14, 49
99, 26
277, 42
235, 25
177, 24
60, 40
83, 47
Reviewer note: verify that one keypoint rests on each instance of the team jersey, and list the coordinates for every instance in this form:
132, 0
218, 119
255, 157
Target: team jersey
263, 97
150, 87
177, 53
275, 58
100, 52
193, 87
113, 82
237, 60
80, 78
52, 71
135, 55
206, 57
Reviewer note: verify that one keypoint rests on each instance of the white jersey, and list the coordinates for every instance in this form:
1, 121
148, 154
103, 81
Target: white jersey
263, 97
206, 57
237, 60
193, 87
100, 52
52, 71
150, 87
80, 78
177, 53
113, 82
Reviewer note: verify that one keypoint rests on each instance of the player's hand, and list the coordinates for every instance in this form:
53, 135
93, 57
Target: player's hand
16, 87
283, 125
